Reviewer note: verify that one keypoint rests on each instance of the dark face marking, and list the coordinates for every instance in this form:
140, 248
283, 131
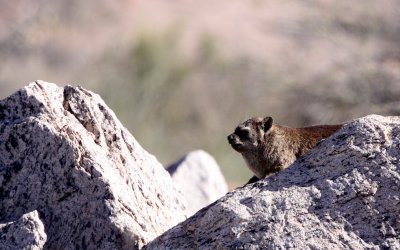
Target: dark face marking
243, 133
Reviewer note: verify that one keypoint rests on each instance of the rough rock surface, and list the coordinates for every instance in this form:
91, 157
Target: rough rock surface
25, 233
344, 194
199, 177
65, 154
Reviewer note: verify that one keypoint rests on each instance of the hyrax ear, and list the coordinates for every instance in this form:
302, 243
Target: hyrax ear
267, 123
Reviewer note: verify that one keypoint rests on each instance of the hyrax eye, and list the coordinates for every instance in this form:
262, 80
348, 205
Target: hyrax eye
243, 133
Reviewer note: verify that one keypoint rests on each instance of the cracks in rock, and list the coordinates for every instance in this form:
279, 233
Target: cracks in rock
97, 121
66, 195
128, 145
89, 125
40, 86
66, 105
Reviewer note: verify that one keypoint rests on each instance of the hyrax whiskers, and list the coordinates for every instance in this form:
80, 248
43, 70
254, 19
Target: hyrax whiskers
268, 148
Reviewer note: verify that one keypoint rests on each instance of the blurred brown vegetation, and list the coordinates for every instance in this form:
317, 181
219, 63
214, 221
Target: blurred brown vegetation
181, 75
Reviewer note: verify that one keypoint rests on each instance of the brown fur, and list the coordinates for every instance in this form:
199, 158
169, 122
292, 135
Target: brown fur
268, 148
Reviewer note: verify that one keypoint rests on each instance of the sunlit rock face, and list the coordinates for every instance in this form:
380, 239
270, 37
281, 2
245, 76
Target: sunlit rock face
199, 177
64, 154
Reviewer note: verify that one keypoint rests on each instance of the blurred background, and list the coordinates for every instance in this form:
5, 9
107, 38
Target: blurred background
181, 74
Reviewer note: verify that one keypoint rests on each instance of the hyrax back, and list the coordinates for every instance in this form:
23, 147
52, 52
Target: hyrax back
268, 148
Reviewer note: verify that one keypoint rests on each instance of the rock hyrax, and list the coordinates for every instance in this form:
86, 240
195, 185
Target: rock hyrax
268, 148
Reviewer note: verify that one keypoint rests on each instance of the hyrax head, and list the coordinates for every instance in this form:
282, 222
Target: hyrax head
249, 134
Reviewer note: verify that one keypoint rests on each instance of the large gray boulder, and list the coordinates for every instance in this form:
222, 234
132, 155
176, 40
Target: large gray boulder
344, 194
65, 154
200, 179
25, 233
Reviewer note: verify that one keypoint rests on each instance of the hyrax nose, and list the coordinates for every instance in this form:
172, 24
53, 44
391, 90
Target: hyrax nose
231, 138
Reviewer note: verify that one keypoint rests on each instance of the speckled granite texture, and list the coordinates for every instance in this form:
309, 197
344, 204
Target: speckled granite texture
25, 233
65, 154
199, 177
344, 194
